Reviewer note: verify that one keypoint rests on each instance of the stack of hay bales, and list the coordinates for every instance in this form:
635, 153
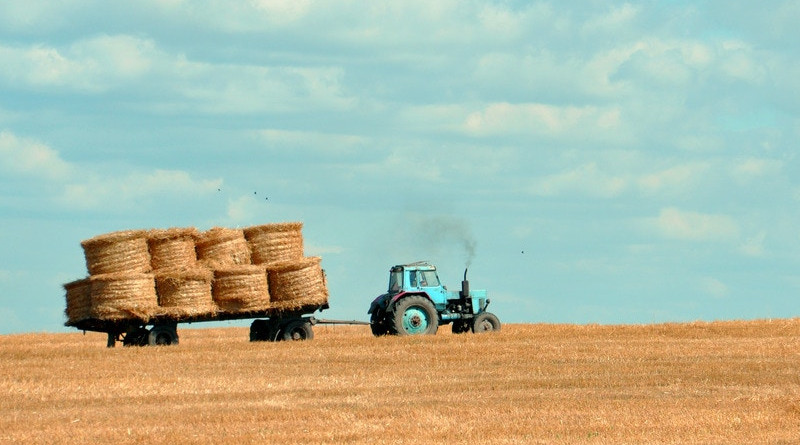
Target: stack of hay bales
183, 285
120, 285
181, 273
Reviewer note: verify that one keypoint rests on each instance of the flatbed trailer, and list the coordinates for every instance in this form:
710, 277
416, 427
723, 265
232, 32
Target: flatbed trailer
274, 324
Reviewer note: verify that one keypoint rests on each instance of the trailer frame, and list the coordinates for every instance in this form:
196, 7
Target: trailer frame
134, 331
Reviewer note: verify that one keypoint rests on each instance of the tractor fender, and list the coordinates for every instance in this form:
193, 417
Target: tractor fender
385, 301
379, 303
406, 294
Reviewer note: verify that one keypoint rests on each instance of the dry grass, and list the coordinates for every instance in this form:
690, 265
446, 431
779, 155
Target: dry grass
731, 382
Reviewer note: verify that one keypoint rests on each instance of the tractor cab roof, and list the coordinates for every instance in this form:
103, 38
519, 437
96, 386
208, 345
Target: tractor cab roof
419, 265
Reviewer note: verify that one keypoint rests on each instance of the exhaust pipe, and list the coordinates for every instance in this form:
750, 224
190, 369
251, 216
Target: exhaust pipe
465, 287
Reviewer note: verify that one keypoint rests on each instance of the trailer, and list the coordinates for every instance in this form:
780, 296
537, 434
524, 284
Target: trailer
268, 325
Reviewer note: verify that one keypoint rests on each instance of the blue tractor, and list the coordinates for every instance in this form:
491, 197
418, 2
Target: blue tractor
417, 303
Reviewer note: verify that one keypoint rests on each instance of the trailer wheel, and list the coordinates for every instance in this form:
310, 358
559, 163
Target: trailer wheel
461, 326
297, 330
259, 330
136, 337
163, 336
414, 315
485, 322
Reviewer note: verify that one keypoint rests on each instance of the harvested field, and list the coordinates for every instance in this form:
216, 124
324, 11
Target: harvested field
723, 382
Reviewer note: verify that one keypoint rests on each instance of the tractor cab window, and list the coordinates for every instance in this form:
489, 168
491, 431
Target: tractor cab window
395, 281
412, 278
428, 278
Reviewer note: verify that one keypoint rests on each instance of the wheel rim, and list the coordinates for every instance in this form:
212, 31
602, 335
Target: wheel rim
485, 325
163, 339
415, 320
297, 334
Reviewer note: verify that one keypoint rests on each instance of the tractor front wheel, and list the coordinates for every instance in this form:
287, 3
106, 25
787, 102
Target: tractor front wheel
414, 315
485, 322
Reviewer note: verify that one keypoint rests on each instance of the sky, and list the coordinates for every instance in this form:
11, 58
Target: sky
590, 162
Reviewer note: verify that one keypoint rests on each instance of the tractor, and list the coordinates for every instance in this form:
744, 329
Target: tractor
417, 303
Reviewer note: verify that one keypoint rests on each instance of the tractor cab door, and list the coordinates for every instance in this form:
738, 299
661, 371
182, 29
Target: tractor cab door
428, 281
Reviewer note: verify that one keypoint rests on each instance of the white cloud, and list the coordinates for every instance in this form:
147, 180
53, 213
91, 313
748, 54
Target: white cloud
754, 246
586, 179
91, 65
85, 186
613, 20
749, 169
714, 287
543, 120
241, 89
241, 209
281, 11
98, 191
28, 157
98, 64
673, 223
681, 177
317, 144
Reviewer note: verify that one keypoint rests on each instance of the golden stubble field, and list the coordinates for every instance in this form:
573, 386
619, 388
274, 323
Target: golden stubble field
721, 382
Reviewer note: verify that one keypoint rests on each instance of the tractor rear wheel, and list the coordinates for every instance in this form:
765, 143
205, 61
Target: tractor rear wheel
414, 315
485, 322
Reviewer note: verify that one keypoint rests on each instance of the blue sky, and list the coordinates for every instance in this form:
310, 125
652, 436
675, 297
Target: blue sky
594, 162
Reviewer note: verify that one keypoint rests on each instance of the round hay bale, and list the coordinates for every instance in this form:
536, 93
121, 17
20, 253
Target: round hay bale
220, 247
123, 296
239, 289
298, 283
79, 301
185, 292
275, 243
172, 248
117, 252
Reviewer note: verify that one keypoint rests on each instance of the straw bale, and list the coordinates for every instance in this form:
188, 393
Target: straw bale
185, 292
275, 243
298, 283
122, 296
79, 301
220, 247
172, 248
117, 252
239, 289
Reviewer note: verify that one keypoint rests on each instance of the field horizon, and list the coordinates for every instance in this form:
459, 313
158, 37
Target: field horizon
697, 382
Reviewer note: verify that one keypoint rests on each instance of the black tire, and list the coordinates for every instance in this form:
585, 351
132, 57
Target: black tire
136, 337
379, 323
297, 330
461, 326
163, 336
485, 322
259, 330
414, 315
